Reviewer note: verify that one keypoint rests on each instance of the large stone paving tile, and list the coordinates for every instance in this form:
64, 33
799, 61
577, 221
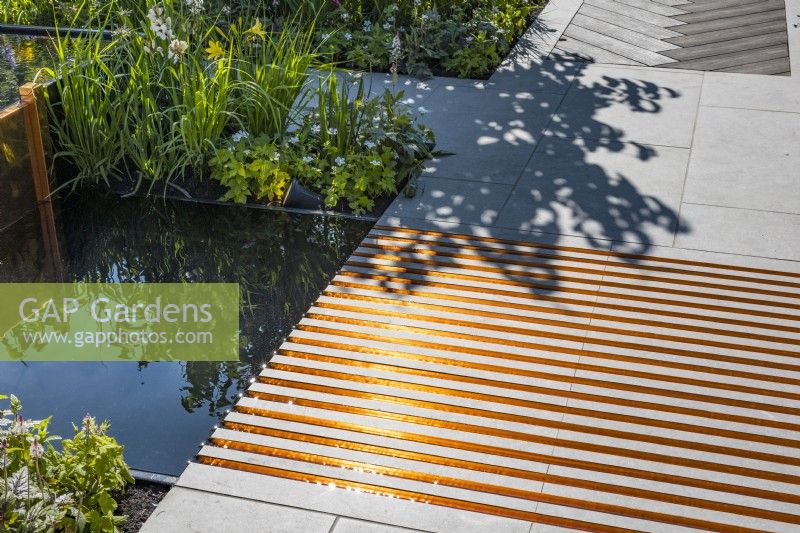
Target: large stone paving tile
348, 525
541, 76
492, 132
629, 104
204, 512
741, 231
747, 159
602, 191
751, 91
452, 201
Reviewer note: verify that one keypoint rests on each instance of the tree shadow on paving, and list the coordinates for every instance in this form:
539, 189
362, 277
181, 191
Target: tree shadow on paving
556, 174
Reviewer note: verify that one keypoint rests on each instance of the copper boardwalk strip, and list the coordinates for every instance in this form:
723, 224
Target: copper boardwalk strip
479, 487
416, 496
518, 473
326, 423
673, 459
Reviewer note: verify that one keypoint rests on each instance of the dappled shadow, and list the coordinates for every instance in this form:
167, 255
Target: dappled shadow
585, 153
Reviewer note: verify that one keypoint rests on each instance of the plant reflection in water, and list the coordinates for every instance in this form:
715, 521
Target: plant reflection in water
281, 262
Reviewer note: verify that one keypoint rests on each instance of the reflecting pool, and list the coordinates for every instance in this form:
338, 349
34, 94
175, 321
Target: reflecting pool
161, 412
21, 57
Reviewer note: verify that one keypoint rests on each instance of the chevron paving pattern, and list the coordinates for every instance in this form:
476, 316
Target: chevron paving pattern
727, 35
572, 388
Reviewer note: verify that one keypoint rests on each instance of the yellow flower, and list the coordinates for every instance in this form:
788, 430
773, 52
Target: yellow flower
215, 50
257, 30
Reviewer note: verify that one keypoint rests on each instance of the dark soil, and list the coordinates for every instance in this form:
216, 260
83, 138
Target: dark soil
138, 503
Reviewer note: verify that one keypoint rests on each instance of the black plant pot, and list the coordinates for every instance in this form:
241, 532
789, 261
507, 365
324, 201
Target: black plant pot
298, 197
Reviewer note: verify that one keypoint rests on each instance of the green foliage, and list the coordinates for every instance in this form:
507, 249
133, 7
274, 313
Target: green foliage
251, 169
424, 37
478, 58
43, 489
274, 71
88, 120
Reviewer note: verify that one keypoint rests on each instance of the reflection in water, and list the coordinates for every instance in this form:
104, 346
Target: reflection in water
20, 58
162, 411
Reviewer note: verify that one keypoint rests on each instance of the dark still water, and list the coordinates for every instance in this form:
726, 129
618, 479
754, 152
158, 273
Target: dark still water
21, 57
161, 412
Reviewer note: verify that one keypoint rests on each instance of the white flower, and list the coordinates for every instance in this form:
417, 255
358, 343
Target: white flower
316, 128
375, 163
239, 135
332, 131
307, 159
195, 6
325, 36
340, 161
348, 36
177, 49
36, 449
161, 26
294, 140
369, 144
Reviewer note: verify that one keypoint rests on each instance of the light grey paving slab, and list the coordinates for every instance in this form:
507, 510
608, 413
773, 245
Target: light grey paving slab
452, 201
197, 511
628, 23
392, 511
648, 106
747, 159
532, 237
348, 525
636, 13
713, 257
750, 91
541, 76
615, 191
612, 44
634, 38
741, 231
491, 131
792, 17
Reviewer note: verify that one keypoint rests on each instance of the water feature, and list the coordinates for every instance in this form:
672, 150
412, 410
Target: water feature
162, 411
20, 59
